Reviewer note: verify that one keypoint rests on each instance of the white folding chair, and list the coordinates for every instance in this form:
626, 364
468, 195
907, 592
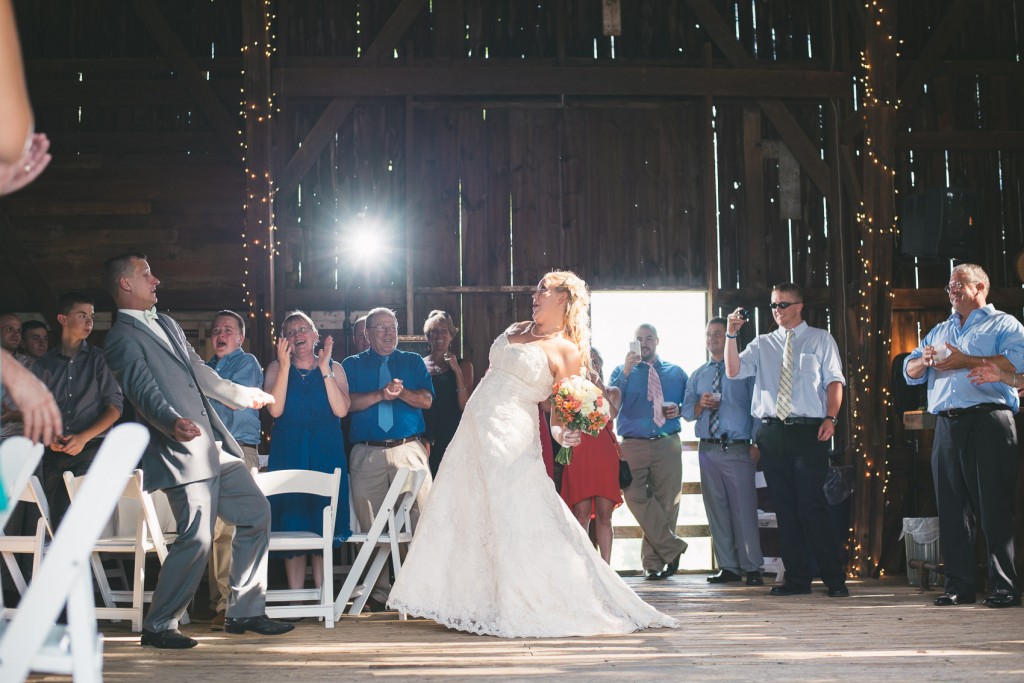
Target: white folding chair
12, 545
320, 601
137, 533
32, 641
19, 458
392, 525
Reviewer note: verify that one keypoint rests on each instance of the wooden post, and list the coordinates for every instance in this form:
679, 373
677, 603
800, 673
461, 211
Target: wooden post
259, 186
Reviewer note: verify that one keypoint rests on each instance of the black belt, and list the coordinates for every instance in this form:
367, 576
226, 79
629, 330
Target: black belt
792, 421
979, 408
651, 438
726, 441
390, 443
249, 445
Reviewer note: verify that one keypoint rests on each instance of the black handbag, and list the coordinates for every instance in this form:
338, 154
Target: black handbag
625, 475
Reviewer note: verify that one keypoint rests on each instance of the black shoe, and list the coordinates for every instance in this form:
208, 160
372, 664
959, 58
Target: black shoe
1002, 600
724, 576
171, 639
789, 589
655, 574
673, 566
754, 579
375, 605
262, 624
950, 599
839, 592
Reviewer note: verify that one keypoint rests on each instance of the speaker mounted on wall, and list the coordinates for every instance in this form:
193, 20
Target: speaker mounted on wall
941, 223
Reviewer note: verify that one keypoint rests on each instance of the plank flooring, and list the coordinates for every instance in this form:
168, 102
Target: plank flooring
886, 630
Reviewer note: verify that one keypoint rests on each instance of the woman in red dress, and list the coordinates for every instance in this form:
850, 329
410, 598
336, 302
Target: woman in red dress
590, 483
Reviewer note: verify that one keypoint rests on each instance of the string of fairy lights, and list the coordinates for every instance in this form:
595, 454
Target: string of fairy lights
258, 236
870, 231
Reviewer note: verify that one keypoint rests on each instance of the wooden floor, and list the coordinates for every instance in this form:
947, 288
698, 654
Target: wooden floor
886, 630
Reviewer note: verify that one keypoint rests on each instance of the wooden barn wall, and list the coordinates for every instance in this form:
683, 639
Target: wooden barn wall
135, 163
963, 123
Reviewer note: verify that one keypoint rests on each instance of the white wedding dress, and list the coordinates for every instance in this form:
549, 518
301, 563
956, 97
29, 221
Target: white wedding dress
496, 551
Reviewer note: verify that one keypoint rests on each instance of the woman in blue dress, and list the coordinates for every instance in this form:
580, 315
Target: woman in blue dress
310, 398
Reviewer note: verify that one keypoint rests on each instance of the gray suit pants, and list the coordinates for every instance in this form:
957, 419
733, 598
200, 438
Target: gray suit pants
654, 495
730, 498
234, 496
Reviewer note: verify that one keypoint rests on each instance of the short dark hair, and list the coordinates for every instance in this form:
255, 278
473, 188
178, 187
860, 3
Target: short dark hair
30, 325
68, 300
791, 288
718, 320
231, 314
117, 267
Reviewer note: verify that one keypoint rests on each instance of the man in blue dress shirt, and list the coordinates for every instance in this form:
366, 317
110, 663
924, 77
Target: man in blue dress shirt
648, 422
728, 460
798, 388
389, 389
231, 362
974, 456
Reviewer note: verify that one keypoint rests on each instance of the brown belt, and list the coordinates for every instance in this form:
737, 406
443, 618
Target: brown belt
391, 443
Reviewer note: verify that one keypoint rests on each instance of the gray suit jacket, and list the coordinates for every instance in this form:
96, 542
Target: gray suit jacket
161, 384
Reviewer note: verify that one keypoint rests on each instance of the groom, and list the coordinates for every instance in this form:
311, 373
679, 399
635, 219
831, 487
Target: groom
191, 456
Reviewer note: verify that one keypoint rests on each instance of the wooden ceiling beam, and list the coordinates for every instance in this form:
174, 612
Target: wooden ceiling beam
805, 151
324, 130
225, 125
577, 81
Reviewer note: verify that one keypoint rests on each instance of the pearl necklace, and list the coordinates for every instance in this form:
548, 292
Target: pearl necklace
554, 334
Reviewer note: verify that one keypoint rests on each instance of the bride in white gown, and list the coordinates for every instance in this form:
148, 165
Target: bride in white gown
496, 551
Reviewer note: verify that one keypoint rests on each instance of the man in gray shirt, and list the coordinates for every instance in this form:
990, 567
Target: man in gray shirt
87, 394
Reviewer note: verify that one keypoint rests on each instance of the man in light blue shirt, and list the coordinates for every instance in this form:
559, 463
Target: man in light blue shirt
231, 362
728, 460
974, 454
798, 388
648, 422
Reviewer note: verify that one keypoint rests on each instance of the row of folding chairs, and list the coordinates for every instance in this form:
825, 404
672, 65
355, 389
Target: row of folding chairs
136, 529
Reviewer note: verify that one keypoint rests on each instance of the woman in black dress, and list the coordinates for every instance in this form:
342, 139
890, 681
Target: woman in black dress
453, 383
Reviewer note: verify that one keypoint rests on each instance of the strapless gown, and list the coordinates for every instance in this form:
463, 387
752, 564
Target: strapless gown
496, 551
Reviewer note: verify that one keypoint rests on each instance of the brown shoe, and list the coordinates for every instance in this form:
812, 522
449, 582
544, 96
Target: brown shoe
217, 623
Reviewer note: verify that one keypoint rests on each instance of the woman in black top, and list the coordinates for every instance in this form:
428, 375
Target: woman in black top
453, 383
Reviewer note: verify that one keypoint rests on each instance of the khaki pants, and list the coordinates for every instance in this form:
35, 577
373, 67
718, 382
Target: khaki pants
371, 471
220, 554
654, 495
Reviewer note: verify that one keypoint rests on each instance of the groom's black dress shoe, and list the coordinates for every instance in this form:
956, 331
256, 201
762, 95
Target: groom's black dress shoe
1002, 600
840, 591
171, 639
262, 624
789, 589
724, 576
950, 599
755, 579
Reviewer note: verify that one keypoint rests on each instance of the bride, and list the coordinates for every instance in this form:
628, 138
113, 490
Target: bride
496, 551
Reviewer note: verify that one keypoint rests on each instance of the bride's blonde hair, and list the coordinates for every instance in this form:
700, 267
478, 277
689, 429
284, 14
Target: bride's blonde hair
577, 312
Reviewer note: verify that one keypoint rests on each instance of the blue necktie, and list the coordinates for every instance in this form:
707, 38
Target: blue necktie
716, 388
385, 411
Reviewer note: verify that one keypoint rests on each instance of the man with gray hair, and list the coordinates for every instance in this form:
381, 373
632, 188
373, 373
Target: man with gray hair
974, 455
389, 389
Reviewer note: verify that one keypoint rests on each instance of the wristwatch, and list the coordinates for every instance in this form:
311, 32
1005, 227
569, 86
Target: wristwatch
833, 418
329, 375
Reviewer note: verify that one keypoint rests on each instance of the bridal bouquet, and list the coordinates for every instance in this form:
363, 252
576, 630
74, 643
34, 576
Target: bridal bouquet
581, 405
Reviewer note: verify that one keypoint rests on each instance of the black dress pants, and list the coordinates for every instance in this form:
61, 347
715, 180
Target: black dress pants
974, 464
795, 464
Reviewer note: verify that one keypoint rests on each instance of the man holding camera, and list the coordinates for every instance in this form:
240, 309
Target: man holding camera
648, 422
728, 461
798, 388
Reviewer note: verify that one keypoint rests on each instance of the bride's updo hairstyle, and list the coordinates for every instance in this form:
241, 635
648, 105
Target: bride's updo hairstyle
577, 312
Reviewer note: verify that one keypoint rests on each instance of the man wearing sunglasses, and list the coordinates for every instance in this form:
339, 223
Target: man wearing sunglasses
798, 388
974, 454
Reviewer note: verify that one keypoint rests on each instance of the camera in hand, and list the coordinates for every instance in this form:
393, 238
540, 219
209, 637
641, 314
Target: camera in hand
745, 314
